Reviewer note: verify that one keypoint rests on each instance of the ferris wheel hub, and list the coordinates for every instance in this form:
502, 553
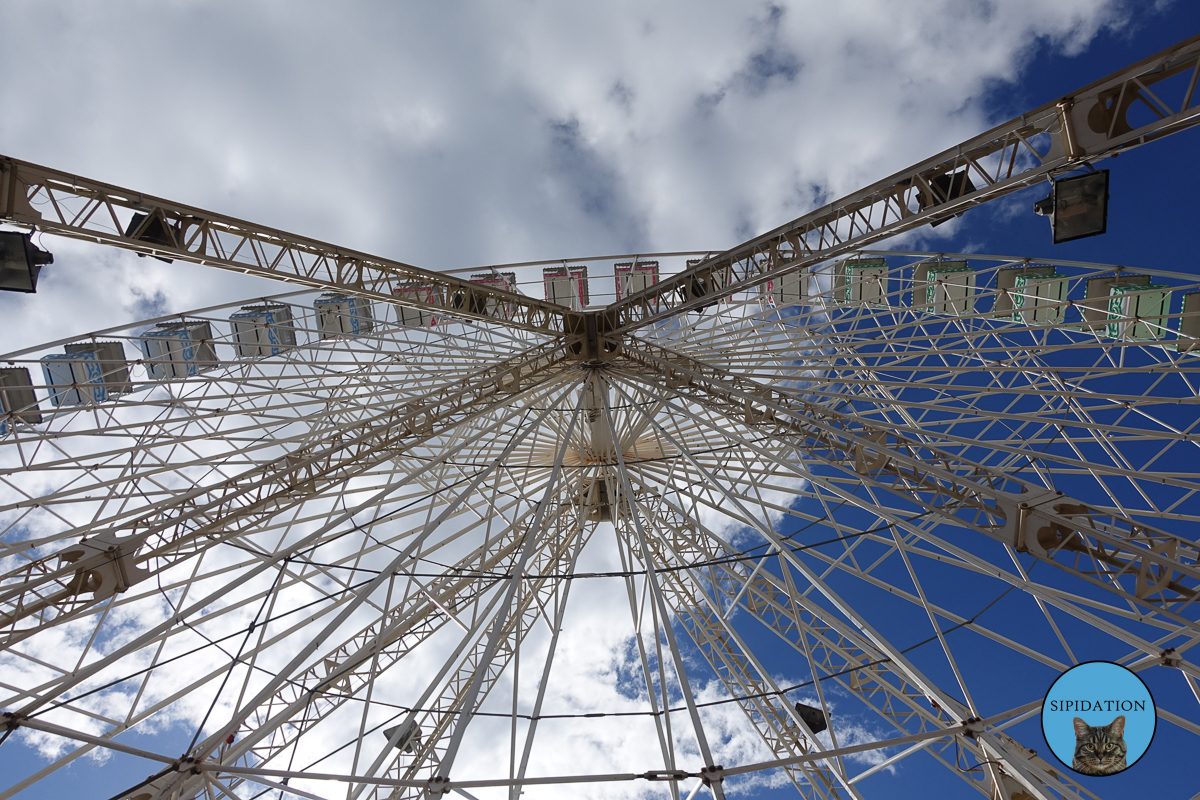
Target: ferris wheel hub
589, 336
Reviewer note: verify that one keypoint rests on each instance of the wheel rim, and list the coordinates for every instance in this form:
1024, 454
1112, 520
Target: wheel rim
430, 496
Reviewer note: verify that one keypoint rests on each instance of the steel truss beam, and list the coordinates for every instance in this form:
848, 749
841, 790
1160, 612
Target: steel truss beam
1083, 127
54, 587
1086, 126
1059, 530
1030, 774
81, 208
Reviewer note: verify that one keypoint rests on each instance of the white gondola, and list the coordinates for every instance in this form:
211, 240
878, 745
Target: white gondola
1137, 311
111, 358
862, 281
787, 289
262, 330
632, 277
1034, 295
504, 281
1094, 307
1038, 299
340, 316
944, 287
88, 372
567, 286
176, 350
417, 317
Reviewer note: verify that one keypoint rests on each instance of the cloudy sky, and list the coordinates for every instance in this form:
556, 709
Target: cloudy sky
449, 136
454, 135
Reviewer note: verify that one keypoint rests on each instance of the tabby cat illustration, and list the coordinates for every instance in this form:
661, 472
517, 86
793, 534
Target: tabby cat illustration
1099, 750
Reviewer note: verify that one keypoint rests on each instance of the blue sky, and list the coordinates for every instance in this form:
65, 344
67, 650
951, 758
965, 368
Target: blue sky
1150, 216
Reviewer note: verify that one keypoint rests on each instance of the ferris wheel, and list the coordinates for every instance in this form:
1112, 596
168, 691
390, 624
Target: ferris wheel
841, 513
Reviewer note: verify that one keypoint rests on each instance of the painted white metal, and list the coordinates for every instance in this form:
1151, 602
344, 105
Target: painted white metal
318, 524
662, 437
262, 330
177, 350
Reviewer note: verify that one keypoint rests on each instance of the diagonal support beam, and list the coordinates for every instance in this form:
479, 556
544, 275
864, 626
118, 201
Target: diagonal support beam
54, 588
89, 210
1164, 569
1086, 126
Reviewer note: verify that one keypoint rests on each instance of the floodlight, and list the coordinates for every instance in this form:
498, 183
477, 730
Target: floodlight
813, 717
151, 228
406, 739
944, 189
20, 262
693, 291
1077, 207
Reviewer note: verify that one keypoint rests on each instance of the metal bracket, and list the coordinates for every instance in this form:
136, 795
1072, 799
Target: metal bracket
14, 198
437, 786
106, 565
712, 774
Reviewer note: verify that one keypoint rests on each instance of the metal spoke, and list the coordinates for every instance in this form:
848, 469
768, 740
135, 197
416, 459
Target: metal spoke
379, 544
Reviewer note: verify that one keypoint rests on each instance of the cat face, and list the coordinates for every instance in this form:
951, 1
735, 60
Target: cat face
1099, 750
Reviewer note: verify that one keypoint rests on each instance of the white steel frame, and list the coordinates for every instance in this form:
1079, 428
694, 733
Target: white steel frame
288, 555
416, 491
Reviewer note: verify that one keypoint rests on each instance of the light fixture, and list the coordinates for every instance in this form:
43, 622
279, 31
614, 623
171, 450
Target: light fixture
153, 229
943, 189
1077, 207
20, 262
813, 717
404, 737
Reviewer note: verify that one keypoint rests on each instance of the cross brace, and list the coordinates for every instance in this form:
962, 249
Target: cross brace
62, 585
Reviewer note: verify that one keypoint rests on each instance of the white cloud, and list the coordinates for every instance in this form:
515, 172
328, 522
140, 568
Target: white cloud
452, 136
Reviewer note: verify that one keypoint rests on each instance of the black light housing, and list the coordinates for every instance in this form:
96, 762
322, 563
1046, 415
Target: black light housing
696, 289
813, 717
20, 262
406, 739
1077, 207
944, 189
151, 228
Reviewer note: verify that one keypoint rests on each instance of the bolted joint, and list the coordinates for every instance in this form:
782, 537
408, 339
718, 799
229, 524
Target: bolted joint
1170, 658
974, 726
187, 764
712, 774
437, 786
